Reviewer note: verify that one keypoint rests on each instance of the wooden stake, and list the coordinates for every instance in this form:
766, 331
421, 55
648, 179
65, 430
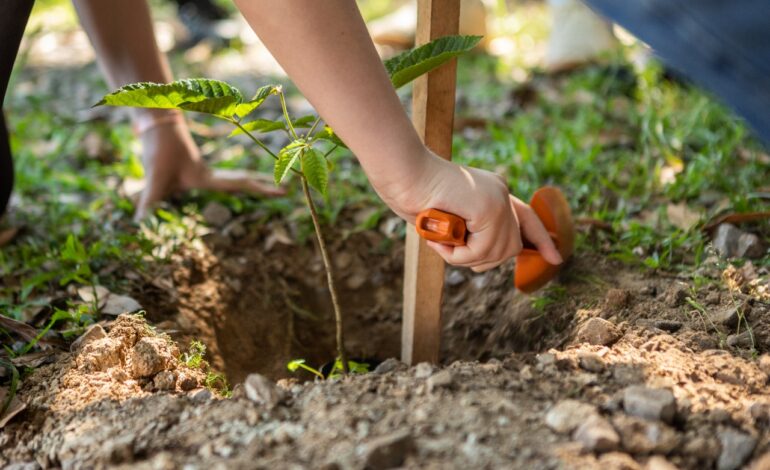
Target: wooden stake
433, 116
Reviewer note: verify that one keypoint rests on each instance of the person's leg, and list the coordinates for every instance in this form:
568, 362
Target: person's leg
122, 34
720, 45
13, 19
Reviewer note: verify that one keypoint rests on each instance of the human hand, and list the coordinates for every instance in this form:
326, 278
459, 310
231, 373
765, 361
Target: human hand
495, 219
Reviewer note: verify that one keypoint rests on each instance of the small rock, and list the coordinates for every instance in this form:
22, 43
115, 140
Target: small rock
165, 380
423, 370
546, 359
591, 362
598, 331
656, 462
742, 340
764, 363
618, 461
480, 281
617, 299
93, 333
750, 246
649, 403
151, 355
701, 448
726, 239
441, 379
676, 296
100, 355
567, 415
187, 382
736, 448
262, 390
597, 435
454, 278
201, 395
216, 214
639, 436
727, 317
388, 451
670, 326
94, 295
389, 365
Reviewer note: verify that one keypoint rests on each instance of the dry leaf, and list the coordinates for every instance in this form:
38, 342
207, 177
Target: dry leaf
117, 304
278, 234
91, 294
34, 359
7, 235
681, 216
15, 407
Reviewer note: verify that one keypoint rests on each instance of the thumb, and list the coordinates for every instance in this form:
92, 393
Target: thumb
533, 231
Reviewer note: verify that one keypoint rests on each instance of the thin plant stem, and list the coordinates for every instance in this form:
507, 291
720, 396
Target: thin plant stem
329, 277
312, 128
286, 115
260, 143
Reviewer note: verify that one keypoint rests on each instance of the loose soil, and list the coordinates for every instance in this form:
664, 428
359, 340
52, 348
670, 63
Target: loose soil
123, 400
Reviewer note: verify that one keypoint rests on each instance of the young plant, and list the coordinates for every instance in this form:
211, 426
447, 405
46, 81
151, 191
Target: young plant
307, 154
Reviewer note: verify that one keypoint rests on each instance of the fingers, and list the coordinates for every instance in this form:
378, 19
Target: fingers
233, 181
532, 230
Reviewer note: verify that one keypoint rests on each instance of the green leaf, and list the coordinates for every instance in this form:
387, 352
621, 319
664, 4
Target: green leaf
315, 170
244, 109
409, 65
304, 121
221, 106
295, 364
259, 125
214, 96
287, 157
328, 135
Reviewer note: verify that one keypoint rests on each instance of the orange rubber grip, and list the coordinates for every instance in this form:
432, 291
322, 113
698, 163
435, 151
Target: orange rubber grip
441, 227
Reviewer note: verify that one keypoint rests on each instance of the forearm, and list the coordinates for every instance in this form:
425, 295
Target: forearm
326, 50
121, 32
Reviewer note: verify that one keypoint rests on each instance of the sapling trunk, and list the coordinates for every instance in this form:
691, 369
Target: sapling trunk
329, 277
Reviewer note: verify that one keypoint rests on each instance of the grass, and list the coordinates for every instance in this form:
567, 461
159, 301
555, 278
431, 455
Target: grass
624, 144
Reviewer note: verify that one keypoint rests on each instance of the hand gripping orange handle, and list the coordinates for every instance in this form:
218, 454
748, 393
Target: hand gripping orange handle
442, 227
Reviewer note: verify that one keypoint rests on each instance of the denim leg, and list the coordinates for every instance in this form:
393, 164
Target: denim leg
722, 45
13, 19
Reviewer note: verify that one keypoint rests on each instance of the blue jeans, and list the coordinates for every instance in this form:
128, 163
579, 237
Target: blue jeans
722, 45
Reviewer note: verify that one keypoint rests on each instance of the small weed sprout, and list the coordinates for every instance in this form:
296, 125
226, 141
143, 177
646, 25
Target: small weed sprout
307, 155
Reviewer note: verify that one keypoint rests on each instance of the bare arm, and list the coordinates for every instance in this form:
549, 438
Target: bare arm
326, 50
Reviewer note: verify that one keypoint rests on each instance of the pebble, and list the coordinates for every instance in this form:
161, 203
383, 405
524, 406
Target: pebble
617, 299
262, 390
670, 326
591, 362
567, 415
596, 434
216, 214
656, 462
389, 365
388, 451
546, 359
165, 380
480, 281
92, 333
441, 379
764, 363
618, 461
727, 317
676, 296
640, 436
423, 370
732, 242
742, 340
649, 403
201, 395
750, 246
454, 278
187, 382
598, 331
736, 448
151, 355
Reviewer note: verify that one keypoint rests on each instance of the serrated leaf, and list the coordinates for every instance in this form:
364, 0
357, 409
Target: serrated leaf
409, 65
221, 106
172, 95
315, 170
304, 121
244, 109
287, 157
259, 125
328, 135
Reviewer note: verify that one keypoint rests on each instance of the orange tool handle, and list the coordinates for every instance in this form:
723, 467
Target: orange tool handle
441, 227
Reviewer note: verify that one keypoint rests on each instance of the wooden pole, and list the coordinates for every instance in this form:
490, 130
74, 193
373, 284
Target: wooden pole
433, 107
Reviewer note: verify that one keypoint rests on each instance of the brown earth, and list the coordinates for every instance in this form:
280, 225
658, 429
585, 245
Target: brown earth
509, 360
